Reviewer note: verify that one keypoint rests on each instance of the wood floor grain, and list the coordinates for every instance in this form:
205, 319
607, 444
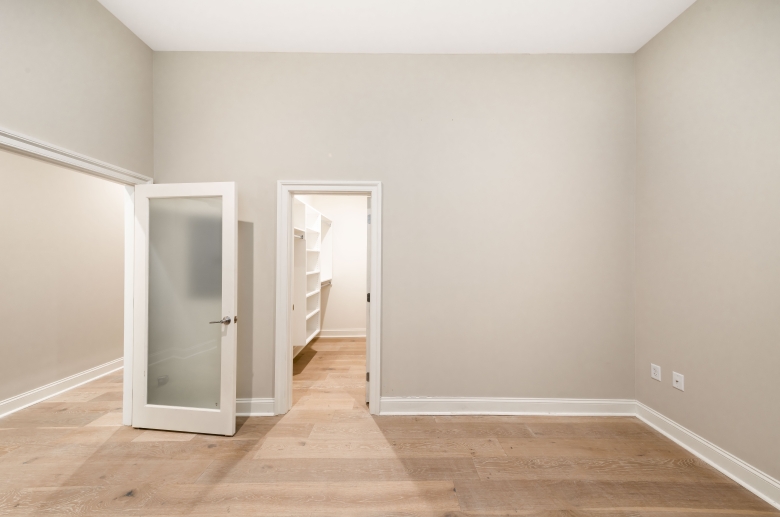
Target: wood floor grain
329, 457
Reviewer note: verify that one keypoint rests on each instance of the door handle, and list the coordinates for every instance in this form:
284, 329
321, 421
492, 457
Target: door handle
224, 321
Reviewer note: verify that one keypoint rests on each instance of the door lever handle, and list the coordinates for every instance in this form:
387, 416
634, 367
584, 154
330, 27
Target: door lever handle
224, 321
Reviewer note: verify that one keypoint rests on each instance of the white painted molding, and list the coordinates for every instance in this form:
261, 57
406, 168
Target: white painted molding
505, 406
30, 146
343, 333
254, 407
24, 400
761, 484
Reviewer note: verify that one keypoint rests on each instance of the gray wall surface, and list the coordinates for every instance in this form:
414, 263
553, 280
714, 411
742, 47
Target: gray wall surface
74, 76
61, 272
708, 224
508, 202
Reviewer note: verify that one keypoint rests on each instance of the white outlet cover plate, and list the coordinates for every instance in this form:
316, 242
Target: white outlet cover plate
655, 371
678, 381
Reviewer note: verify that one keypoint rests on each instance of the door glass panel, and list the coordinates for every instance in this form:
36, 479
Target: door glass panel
185, 294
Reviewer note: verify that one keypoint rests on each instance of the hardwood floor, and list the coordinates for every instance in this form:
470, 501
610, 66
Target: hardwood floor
329, 456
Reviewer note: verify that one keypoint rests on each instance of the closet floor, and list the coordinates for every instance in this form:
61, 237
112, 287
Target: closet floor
329, 456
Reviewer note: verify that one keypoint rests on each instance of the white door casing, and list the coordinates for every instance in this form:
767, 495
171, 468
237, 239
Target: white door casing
368, 301
284, 287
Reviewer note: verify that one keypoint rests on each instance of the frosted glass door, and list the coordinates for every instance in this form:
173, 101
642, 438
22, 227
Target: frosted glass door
185, 308
185, 295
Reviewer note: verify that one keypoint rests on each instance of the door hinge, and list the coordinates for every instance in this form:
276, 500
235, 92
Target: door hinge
369, 218
368, 376
368, 297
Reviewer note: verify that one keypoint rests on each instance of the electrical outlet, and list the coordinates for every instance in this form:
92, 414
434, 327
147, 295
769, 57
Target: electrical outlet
655, 371
678, 381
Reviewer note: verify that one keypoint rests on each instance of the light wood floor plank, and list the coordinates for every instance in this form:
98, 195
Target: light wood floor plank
290, 470
299, 497
627, 469
589, 448
509, 496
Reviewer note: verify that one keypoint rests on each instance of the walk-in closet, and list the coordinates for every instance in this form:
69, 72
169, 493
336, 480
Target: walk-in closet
329, 269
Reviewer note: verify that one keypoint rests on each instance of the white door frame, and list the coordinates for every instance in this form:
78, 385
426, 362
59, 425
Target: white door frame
284, 252
127, 381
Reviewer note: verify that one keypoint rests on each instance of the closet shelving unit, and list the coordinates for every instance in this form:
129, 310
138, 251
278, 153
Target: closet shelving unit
312, 270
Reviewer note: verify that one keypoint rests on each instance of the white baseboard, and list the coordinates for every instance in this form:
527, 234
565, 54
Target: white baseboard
504, 406
255, 407
24, 400
761, 484
343, 333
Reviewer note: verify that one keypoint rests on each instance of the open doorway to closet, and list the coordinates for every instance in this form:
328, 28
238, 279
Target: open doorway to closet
328, 290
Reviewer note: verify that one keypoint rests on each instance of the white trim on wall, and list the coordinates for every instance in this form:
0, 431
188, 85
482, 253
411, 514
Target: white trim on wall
283, 351
255, 407
506, 406
758, 482
32, 147
13, 404
342, 333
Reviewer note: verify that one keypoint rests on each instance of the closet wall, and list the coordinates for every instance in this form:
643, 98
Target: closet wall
343, 302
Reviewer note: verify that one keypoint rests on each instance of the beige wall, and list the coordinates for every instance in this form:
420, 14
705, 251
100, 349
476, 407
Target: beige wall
72, 75
61, 272
708, 224
344, 301
508, 208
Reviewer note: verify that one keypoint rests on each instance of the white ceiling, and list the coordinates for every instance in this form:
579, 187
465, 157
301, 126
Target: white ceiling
398, 26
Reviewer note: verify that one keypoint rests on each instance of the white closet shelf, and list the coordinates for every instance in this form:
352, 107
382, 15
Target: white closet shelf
312, 336
327, 281
313, 261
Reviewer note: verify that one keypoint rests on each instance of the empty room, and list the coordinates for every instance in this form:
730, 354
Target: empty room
378, 258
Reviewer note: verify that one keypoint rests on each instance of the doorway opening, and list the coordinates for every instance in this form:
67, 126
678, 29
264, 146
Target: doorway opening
328, 282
